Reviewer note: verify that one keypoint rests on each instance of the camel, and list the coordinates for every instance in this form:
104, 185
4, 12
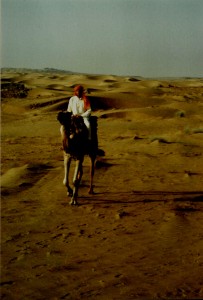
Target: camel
76, 145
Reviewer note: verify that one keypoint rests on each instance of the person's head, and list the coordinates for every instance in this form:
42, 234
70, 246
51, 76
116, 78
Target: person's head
79, 91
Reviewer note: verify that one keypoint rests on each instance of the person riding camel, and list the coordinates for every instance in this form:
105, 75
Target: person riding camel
79, 104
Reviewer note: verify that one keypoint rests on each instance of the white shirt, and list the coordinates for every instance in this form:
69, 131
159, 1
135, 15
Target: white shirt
76, 106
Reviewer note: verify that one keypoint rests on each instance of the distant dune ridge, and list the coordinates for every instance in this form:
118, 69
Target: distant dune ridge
139, 236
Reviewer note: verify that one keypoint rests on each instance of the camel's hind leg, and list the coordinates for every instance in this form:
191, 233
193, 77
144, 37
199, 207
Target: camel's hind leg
76, 181
67, 162
92, 158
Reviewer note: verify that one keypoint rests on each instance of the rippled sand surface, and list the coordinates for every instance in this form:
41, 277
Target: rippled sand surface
141, 234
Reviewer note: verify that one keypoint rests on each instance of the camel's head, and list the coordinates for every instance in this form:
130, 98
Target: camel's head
78, 125
64, 118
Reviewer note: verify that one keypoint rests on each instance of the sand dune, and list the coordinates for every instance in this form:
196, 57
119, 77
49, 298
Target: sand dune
139, 236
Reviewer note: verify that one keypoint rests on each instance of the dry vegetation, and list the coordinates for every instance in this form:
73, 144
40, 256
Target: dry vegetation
141, 234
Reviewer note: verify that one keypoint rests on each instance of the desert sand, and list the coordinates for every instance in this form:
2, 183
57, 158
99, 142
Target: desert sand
140, 236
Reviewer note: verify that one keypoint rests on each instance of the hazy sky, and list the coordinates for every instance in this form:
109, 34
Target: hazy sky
148, 38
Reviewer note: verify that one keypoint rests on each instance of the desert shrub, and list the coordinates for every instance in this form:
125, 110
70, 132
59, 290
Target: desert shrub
13, 90
180, 114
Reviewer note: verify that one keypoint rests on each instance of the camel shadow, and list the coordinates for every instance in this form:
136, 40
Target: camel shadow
116, 198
